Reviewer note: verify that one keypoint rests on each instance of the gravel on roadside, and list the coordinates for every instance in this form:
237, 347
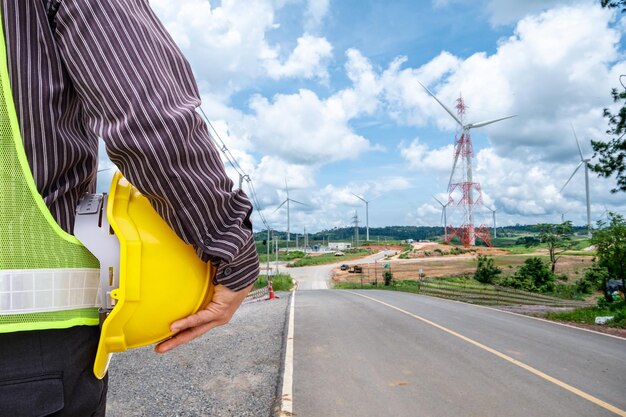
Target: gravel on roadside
232, 371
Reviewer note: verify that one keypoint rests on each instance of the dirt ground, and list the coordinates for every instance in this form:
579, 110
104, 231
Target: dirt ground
430, 249
435, 260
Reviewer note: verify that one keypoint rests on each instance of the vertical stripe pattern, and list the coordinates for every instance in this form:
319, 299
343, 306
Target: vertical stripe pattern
83, 69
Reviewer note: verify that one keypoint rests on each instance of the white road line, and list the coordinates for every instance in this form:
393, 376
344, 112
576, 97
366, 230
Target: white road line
507, 358
286, 405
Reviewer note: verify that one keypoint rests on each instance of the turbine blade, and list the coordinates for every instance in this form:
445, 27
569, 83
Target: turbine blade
580, 151
440, 203
296, 201
282, 204
454, 116
359, 197
441, 221
456, 158
572, 176
488, 122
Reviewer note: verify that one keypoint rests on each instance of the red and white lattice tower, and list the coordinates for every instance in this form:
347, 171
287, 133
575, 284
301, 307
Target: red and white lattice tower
463, 191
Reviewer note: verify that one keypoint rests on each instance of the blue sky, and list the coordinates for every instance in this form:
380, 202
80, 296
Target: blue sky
324, 94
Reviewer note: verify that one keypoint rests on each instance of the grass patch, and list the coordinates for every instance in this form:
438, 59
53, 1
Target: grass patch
582, 244
521, 249
328, 258
282, 256
580, 253
280, 282
588, 315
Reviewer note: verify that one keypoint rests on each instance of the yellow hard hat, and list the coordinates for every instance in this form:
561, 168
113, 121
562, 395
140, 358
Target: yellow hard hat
161, 279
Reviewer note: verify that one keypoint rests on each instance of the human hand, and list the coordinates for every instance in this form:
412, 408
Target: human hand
217, 313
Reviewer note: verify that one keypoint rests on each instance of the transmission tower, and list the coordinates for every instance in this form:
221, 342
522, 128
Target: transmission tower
463, 191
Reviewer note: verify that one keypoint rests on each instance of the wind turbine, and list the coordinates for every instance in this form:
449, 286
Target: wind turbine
287, 201
367, 216
463, 146
493, 212
444, 217
584, 162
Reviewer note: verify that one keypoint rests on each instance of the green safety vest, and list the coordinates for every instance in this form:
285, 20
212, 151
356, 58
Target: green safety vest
48, 279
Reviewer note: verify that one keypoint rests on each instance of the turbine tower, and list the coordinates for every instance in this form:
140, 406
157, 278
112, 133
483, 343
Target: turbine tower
367, 216
464, 183
444, 217
287, 201
584, 162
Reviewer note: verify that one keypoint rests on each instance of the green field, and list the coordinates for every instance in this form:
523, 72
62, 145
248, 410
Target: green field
329, 258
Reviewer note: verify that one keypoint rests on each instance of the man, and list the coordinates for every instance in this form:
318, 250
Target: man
83, 69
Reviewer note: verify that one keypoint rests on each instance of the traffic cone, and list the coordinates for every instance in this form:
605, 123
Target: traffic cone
271, 295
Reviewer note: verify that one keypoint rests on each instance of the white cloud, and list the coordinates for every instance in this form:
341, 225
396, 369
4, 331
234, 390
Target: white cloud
304, 129
308, 59
419, 156
315, 12
227, 47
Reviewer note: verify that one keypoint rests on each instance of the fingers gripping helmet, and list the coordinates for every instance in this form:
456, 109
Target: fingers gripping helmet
149, 276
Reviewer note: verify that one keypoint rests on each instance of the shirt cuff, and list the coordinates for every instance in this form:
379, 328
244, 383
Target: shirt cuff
242, 271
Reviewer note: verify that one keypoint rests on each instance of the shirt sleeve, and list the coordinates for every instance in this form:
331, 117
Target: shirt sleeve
138, 93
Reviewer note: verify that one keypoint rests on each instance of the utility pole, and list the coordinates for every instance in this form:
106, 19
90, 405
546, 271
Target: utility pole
276, 250
269, 242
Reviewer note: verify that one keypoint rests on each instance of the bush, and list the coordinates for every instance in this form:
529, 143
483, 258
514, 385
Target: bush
533, 275
517, 282
538, 273
387, 276
568, 292
486, 271
594, 279
583, 286
527, 240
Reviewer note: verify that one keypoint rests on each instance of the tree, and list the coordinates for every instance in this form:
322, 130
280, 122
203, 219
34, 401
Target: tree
610, 245
613, 152
486, 271
557, 237
611, 4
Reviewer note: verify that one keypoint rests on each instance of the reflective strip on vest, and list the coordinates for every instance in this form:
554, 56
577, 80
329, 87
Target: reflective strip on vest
46, 290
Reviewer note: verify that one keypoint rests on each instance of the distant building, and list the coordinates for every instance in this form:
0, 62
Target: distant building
408, 241
339, 245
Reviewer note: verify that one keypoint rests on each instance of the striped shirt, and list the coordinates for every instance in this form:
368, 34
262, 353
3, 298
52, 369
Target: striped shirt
83, 69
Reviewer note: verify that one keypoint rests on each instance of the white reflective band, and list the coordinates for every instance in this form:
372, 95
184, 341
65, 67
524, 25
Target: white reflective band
41, 290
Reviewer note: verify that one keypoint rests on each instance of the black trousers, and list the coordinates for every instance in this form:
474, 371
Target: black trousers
49, 373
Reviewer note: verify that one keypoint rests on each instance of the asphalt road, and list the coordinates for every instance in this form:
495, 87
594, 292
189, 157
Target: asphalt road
317, 277
421, 356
